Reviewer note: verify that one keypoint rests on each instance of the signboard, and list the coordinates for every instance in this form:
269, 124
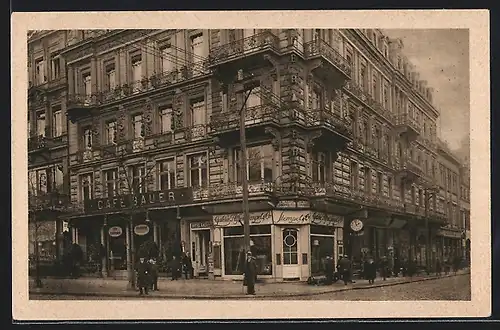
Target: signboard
149, 199
201, 224
236, 219
115, 231
330, 220
449, 233
141, 230
292, 217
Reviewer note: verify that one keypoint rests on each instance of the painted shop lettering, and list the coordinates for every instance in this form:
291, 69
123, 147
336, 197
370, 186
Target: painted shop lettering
227, 220
292, 218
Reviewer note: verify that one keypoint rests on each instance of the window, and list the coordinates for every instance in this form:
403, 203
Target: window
319, 167
290, 255
110, 77
234, 254
254, 99
389, 185
138, 126
386, 50
86, 184
380, 184
363, 77
138, 175
56, 122
110, 134
314, 99
167, 58
376, 89
413, 195
111, 182
38, 181
40, 123
198, 112
354, 175
322, 245
197, 53
198, 170
40, 71
420, 197
87, 84
385, 96
367, 176
259, 164
136, 73
55, 68
166, 174
165, 113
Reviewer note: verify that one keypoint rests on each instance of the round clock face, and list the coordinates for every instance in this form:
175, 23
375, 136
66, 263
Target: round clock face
356, 225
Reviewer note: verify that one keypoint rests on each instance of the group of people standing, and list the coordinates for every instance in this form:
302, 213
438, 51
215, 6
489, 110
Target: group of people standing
147, 272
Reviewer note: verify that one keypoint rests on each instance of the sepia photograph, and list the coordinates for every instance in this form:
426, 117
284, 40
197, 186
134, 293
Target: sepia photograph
249, 166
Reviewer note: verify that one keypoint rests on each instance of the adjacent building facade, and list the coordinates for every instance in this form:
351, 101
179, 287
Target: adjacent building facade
342, 149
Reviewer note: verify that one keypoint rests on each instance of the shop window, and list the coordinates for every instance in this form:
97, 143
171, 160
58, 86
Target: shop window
322, 245
259, 164
290, 237
260, 245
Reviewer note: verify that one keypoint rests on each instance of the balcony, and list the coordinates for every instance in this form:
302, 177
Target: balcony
409, 170
40, 142
79, 105
54, 201
231, 190
245, 52
355, 90
257, 118
327, 62
426, 142
404, 124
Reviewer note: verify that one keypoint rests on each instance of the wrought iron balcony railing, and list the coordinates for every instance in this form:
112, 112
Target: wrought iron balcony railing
320, 47
230, 190
83, 100
265, 40
319, 117
41, 142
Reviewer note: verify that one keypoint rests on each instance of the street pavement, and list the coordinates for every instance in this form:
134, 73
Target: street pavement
391, 289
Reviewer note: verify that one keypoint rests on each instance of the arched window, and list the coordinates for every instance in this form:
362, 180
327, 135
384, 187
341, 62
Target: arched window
290, 252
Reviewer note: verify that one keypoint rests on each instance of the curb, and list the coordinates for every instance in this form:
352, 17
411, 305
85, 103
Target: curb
220, 297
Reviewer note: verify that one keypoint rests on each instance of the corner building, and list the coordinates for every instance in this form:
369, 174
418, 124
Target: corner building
339, 127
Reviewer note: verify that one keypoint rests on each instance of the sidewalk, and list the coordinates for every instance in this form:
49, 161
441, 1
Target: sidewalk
207, 289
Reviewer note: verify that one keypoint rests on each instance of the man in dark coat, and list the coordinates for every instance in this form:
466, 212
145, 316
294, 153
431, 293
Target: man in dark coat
329, 270
397, 267
143, 275
250, 273
187, 266
176, 268
345, 269
154, 274
370, 270
438, 267
384, 267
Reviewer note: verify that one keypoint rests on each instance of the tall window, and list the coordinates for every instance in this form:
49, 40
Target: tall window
57, 122
389, 184
254, 99
138, 126
40, 71
87, 84
166, 174
138, 175
110, 136
55, 68
314, 99
165, 113
110, 77
319, 167
413, 195
380, 184
111, 182
259, 164
385, 95
376, 90
363, 77
87, 137
198, 111
290, 253
136, 73
55, 178
367, 176
197, 53
354, 175
86, 186
198, 170
167, 58
40, 123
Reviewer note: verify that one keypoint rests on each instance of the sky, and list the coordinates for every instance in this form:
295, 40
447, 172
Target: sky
441, 56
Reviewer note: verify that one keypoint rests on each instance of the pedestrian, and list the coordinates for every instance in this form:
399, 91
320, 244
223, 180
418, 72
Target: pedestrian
447, 266
412, 268
397, 267
438, 267
345, 269
370, 270
250, 272
384, 267
329, 270
187, 266
456, 264
143, 269
176, 268
154, 274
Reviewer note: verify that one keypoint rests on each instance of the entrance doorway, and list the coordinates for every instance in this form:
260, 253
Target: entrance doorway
290, 248
200, 240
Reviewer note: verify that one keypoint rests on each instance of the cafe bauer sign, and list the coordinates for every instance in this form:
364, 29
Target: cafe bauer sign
142, 200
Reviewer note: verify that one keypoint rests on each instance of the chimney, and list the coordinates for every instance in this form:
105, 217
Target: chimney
423, 86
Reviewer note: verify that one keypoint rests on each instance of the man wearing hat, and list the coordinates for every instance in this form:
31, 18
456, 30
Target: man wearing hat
345, 269
250, 273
